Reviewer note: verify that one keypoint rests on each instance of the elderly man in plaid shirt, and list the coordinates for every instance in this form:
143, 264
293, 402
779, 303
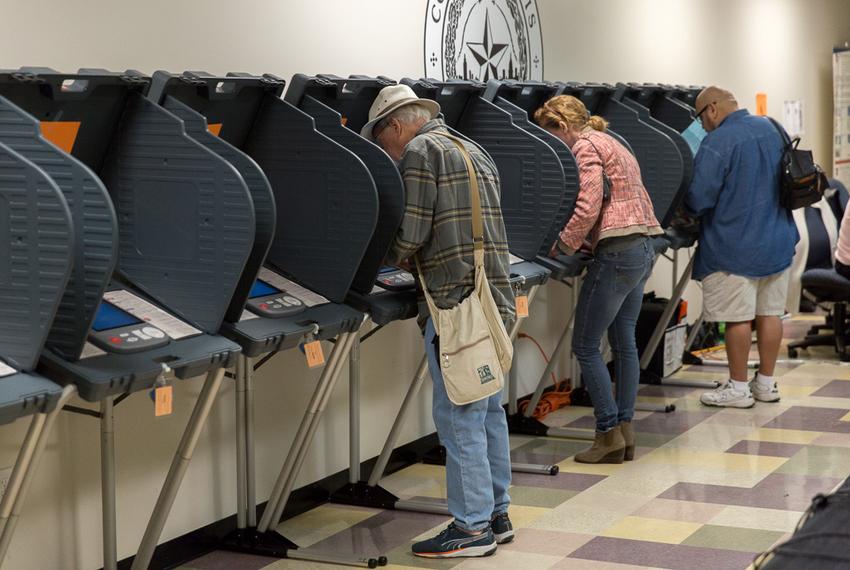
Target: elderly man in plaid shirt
437, 227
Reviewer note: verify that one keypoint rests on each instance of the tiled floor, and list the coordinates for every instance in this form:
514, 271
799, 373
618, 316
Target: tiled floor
709, 489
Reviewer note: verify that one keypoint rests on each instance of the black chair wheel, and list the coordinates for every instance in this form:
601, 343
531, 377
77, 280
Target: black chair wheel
382, 561
793, 353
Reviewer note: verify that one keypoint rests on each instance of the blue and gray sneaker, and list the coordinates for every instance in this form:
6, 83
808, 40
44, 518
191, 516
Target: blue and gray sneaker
456, 543
502, 528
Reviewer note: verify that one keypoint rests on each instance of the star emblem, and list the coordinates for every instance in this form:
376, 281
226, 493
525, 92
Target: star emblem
487, 53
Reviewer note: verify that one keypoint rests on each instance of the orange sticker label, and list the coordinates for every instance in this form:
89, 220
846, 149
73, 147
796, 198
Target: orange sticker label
522, 306
761, 104
61, 133
163, 401
214, 128
315, 356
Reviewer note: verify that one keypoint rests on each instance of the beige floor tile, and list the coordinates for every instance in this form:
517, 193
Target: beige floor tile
652, 530
752, 517
323, 522
784, 435
685, 511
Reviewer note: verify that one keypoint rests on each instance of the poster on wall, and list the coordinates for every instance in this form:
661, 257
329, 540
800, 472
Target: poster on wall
841, 120
482, 40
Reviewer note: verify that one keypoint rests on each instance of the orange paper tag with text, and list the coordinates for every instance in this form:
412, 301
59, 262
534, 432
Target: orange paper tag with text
315, 356
522, 306
164, 399
761, 104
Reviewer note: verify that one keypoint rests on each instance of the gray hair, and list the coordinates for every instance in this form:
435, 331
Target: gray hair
410, 114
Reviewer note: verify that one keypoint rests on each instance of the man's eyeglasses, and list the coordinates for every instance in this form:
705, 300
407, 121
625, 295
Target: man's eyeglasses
704, 109
379, 128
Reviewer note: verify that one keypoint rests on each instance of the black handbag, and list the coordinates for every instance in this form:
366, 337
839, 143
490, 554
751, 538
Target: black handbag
801, 180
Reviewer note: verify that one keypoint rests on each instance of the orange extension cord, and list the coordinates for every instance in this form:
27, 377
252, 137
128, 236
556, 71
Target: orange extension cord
553, 400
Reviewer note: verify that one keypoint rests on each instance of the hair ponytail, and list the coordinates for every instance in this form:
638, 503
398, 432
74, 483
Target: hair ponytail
597, 123
570, 111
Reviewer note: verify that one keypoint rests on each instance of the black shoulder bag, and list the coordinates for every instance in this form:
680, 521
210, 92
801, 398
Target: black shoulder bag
801, 181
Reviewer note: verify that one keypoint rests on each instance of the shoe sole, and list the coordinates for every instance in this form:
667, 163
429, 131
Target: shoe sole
767, 401
740, 405
614, 457
468, 552
505, 537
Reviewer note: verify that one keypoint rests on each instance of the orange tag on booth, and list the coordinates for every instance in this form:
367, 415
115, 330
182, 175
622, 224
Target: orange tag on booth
163, 401
315, 356
761, 104
522, 306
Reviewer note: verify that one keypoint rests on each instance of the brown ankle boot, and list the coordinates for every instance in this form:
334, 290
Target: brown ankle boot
608, 447
629, 438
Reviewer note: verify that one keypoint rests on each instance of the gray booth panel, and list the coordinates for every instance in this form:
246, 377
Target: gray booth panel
327, 202
388, 184
36, 248
261, 194
186, 217
93, 218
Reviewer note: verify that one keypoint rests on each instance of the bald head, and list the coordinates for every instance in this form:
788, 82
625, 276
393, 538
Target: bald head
713, 105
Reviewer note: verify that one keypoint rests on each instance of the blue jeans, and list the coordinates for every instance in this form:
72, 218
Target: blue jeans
610, 299
478, 462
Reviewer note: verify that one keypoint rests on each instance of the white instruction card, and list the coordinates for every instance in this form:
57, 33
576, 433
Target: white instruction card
142, 310
308, 297
247, 316
6, 370
514, 259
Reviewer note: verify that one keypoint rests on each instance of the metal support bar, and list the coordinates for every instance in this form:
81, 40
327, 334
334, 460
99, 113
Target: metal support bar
431, 507
661, 327
513, 381
250, 477
354, 411
313, 556
550, 367
178, 468
285, 479
241, 459
694, 332
25, 468
571, 433
107, 484
384, 458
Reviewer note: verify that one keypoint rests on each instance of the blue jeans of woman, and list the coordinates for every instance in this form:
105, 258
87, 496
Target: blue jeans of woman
478, 462
610, 299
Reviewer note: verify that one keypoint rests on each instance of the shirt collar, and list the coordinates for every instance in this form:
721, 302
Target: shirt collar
432, 125
735, 116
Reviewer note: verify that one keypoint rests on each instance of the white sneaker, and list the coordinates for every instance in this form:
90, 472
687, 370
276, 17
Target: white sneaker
726, 396
762, 394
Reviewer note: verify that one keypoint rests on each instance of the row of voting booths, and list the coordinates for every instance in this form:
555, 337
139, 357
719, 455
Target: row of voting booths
181, 225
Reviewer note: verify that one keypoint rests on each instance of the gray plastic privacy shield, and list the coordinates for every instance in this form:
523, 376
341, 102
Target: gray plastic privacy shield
684, 153
261, 194
532, 178
186, 218
36, 247
568, 165
388, 184
660, 161
327, 202
94, 222
25, 394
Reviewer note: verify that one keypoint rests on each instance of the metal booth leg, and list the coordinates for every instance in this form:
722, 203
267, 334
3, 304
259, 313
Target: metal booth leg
302, 436
25, 468
178, 468
107, 483
526, 423
242, 504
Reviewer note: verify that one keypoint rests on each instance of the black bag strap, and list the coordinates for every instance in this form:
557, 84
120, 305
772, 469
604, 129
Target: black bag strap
786, 138
606, 180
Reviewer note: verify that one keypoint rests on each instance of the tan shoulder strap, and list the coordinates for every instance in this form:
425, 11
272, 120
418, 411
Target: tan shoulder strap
477, 222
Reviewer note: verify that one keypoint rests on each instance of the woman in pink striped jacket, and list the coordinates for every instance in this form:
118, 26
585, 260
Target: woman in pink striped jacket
614, 219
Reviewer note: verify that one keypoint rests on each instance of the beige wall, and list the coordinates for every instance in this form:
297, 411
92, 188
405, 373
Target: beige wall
781, 47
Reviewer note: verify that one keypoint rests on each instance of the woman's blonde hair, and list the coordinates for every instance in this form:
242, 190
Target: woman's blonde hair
567, 109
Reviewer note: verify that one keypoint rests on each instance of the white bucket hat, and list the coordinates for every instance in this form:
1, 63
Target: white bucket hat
393, 98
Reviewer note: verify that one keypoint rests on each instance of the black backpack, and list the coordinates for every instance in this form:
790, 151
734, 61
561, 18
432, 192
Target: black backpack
801, 181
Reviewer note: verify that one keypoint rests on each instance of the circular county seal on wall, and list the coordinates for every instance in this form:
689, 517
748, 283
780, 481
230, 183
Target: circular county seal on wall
483, 40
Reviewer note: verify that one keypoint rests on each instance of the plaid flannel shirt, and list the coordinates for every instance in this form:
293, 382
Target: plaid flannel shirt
437, 222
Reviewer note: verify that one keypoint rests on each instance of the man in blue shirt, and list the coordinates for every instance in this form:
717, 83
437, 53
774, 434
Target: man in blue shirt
746, 241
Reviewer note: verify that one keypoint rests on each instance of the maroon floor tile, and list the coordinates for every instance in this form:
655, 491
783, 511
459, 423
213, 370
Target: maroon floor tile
380, 533
776, 491
223, 560
771, 448
811, 419
657, 555
563, 480
657, 391
835, 389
